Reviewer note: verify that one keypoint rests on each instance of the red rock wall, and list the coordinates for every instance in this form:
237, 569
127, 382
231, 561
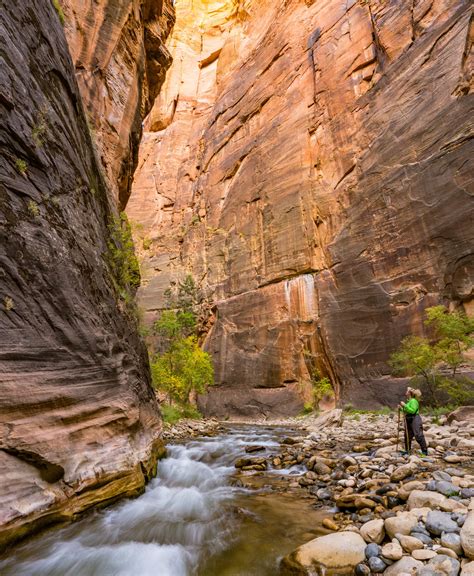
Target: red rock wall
309, 162
79, 421
121, 60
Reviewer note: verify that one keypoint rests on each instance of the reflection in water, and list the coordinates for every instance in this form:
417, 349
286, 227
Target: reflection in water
189, 521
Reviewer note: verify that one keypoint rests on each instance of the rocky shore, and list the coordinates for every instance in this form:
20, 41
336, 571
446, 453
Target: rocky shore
394, 514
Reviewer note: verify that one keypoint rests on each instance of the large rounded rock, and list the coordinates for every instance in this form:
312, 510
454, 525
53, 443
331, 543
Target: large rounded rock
468, 569
467, 535
400, 524
441, 565
338, 554
452, 541
407, 565
409, 543
438, 522
373, 531
392, 550
422, 499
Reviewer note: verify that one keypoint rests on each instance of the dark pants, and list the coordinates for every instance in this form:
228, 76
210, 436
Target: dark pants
414, 428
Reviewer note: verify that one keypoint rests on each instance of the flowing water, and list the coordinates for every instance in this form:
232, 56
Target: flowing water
192, 520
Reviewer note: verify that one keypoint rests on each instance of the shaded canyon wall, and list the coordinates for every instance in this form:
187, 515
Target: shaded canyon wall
311, 164
119, 53
79, 421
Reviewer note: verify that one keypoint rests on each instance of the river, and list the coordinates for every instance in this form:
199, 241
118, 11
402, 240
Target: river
194, 519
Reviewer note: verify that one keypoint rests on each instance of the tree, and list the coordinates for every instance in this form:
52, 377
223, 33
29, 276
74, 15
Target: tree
421, 357
180, 367
453, 332
185, 368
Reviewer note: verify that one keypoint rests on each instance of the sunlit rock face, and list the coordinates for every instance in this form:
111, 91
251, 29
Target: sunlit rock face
309, 163
121, 60
79, 421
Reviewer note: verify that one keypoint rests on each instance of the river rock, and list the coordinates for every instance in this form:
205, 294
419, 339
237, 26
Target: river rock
468, 569
402, 472
362, 570
467, 535
392, 550
373, 531
406, 564
337, 553
372, 549
447, 488
464, 413
423, 554
422, 498
447, 552
438, 522
405, 490
441, 565
376, 565
402, 523
453, 541
409, 543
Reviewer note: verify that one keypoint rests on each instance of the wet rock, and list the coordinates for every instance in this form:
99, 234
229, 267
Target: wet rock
330, 524
438, 522
251, 449
362, 570
373, 531
337, 553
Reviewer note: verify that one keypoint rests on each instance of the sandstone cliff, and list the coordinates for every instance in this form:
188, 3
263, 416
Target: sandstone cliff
120, 60
79, 422
310, 163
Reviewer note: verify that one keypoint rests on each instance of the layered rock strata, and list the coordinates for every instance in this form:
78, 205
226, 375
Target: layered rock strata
120, 60
79, 422
310, 163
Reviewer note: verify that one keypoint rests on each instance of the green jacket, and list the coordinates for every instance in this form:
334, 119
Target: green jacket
412, 406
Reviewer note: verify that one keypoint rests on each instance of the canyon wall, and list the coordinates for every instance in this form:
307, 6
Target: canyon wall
311, 164
121, 60
79, 421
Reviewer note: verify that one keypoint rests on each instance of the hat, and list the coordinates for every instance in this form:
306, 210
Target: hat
415, 392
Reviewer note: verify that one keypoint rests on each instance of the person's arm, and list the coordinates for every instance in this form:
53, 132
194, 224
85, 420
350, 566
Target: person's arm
411, 407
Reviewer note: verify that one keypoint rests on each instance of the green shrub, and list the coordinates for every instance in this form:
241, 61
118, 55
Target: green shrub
21, 166
59, 11
33, 208
121, 257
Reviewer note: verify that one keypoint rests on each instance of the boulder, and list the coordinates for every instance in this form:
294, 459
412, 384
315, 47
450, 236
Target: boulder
438, 522
373, 531
392, 550
405, 490
468, 569
452, 541
402, 523
422, 498
409, 543
441, 565
328, 419
464, 413
467, 535
407, 564
337, 554
402, 472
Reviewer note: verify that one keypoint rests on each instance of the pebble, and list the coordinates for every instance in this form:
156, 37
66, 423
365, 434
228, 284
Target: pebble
376, 564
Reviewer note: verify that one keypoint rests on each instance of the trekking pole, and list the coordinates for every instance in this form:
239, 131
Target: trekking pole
407, 437
398, 428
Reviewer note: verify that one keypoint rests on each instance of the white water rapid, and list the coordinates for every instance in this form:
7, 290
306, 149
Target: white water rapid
189, 515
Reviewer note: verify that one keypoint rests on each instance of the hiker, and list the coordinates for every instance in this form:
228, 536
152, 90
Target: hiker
413, 423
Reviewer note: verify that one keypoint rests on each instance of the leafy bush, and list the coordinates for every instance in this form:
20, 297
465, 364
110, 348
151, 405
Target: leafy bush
423, 359
121, 257
21, 166
59, 11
